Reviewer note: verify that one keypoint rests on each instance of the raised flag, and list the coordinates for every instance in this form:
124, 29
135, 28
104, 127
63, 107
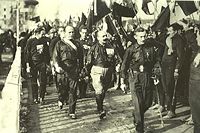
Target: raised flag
145, 6
119, 10
188, 7
99, 9
83, 20
162, 21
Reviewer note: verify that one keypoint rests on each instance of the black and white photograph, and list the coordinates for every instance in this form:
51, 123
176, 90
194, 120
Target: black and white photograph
99, 66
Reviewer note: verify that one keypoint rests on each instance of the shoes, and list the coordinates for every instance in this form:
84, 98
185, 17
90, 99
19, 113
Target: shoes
169, 115
60, 104
102, 114
189, 121
72, 116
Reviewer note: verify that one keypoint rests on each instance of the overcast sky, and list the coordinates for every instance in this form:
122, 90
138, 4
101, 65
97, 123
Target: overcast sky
49, 9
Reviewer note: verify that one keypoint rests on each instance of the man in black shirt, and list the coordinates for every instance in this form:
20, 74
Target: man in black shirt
37, 59
86, 43
100, 65
67, 58
138, 62
171, 65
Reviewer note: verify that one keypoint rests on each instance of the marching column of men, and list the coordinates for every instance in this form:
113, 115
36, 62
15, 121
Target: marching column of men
37, 61
74, 61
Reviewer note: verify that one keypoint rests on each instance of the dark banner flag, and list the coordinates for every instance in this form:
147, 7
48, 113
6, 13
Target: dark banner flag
112, 29
83, 20
119, 10
145, 6
98, 10
162, 21
188, 7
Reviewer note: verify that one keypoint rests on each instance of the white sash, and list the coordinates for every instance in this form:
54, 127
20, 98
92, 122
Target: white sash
71, 44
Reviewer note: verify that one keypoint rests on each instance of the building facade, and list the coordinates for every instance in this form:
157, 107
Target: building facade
8, 13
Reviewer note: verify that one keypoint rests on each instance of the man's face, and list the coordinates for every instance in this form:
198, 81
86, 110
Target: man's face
69, 32
102, 37
61, 32
140, 37
83, 33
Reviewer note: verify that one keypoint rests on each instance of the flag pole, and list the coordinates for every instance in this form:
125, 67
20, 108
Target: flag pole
193, 18
137, 19
155, 10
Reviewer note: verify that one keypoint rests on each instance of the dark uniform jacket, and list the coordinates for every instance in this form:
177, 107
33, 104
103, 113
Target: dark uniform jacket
191, 44
37, 52
69, 59
88, 43
136, 55
103, 56
52, 45
176, 57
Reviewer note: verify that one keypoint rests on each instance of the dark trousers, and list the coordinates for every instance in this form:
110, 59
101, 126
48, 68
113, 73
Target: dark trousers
168, 82
38, 72
142, 95
82, 85
194, 96
67, 91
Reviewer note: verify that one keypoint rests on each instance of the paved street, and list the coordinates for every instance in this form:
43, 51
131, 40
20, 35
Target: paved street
48, 118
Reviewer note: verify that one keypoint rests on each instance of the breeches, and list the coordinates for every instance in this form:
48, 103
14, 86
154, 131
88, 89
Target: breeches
101, 78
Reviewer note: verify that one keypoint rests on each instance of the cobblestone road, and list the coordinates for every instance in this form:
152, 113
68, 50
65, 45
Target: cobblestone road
48, 118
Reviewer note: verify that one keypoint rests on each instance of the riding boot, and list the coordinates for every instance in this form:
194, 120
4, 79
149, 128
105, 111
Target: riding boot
99, 103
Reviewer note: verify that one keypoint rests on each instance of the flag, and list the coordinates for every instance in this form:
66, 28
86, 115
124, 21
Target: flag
83, 20
119, 10
162, 21
114, 31
99, 9
176, 13
70, 20
30, 2
145, 7
161, 5
188, 7
173, 13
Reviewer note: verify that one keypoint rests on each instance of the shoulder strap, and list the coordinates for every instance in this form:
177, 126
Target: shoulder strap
71, 44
